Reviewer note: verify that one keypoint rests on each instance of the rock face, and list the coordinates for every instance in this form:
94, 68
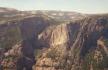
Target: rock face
59, 39
56, 38
70, 45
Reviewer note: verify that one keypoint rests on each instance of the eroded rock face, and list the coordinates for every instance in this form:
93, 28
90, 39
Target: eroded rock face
54, 37
58, 39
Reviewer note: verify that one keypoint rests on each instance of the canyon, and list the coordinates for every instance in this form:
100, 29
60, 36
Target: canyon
45, 41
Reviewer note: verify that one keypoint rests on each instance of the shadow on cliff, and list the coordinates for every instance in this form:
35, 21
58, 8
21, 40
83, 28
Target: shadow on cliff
91, 37
30, 29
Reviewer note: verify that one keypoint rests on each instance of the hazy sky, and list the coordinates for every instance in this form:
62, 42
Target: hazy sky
84, 6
